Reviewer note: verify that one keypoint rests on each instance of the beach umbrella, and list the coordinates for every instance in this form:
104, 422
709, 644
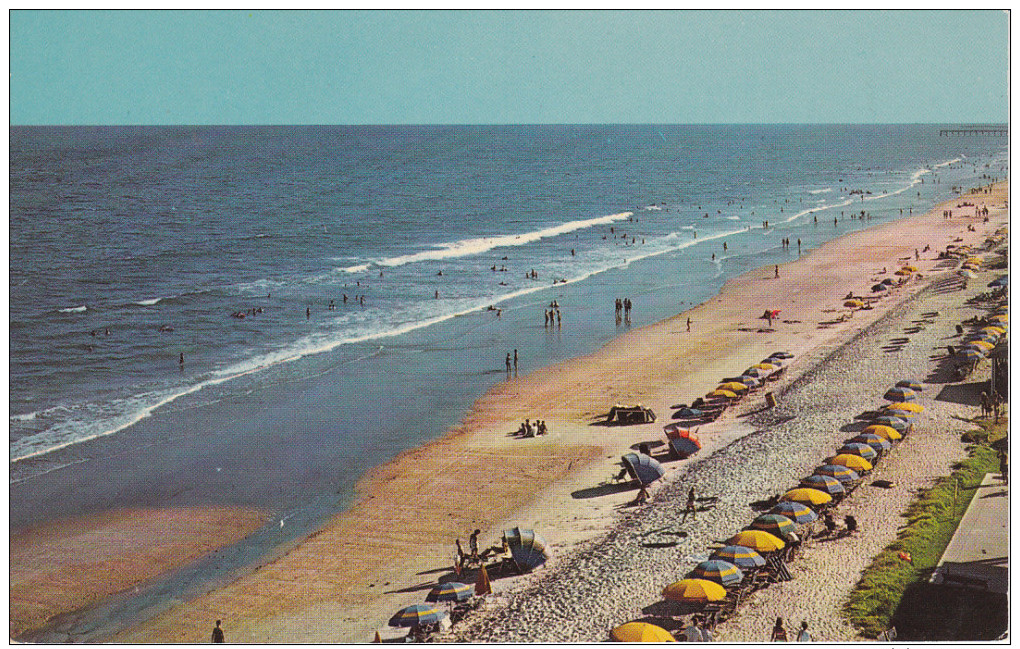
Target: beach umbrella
643, 468
899, 423
768, 367
841, 473
900, 394
999, 281
912, 269
451, 591
905, 407
999, 320
985, 336
719, 571
725, 394
755, 372
853, 304
688, 413
855, 462
640, 632
416, 615
974, 260
781, 354
741, 556
694, 590
527, 548
996, 329
799, 513
970, 355
825, 483
775, 524
748, 381
966, 272
877, 442
902, 272
733, 386
808, 496
855, 448
910, 384
888, 432
757, 540
774, 360
875, 288
683, 443
887, 409
888, 281
981, 344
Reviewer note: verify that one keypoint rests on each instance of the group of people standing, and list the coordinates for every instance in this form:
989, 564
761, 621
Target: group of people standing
552, 314
623, 306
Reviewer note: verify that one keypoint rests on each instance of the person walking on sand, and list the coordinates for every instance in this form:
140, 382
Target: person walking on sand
803, 636
777, 271
688, 323
691, 508
778, 632
217, 633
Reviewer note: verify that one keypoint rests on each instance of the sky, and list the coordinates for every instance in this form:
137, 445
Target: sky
516, 67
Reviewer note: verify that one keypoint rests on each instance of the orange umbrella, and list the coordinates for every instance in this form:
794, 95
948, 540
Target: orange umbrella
694, 590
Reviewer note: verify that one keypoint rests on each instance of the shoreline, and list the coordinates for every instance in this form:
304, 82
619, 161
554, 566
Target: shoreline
335, 574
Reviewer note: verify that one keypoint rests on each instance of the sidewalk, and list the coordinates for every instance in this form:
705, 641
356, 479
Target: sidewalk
978, 554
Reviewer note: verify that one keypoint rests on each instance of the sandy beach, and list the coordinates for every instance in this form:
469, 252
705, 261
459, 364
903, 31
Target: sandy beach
385, 552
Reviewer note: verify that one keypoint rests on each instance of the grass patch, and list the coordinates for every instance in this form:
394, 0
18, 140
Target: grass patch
931, 521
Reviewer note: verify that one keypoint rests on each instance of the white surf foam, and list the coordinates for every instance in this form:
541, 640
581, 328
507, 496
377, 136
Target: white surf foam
74, 309
475, 246
820, 191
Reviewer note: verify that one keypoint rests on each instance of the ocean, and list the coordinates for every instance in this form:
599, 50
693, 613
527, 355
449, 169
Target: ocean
440, 248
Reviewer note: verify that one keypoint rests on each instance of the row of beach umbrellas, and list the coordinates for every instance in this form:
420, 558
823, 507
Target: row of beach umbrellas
980, 343
800, 506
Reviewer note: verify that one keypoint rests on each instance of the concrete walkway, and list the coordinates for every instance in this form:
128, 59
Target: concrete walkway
978, 554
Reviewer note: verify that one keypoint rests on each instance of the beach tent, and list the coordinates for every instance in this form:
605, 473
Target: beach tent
694, 590
683, 443
855, 448
911, 384
855, 462
841, 473
722, 572
630, 415
527, 548
451, 591
825, 483
741, 556
888, 432
808, 496
775, 524
643, 468
758, 540
877, 442
900, 394
640, 632
799, 513
417, 615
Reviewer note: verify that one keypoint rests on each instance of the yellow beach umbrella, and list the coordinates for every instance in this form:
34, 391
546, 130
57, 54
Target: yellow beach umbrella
905, 406
982, 344
694, 590
808, 496
722, 393
974, 260
995, 329
902, 272
912, 269
887, 432
765, 366
855, 462
1002, 317
640, 632
853, 304
757, 540
732, 386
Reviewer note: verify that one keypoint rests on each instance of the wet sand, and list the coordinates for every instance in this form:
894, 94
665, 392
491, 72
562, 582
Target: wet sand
386, 551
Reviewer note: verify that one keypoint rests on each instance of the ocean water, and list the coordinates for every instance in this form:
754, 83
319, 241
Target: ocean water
132, 246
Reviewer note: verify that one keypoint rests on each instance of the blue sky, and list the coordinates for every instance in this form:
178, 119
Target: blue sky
258, 67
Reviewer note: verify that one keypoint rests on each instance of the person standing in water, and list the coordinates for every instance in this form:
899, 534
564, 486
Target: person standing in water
515, 361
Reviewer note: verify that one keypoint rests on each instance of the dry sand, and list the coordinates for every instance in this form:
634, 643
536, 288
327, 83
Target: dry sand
385, 551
